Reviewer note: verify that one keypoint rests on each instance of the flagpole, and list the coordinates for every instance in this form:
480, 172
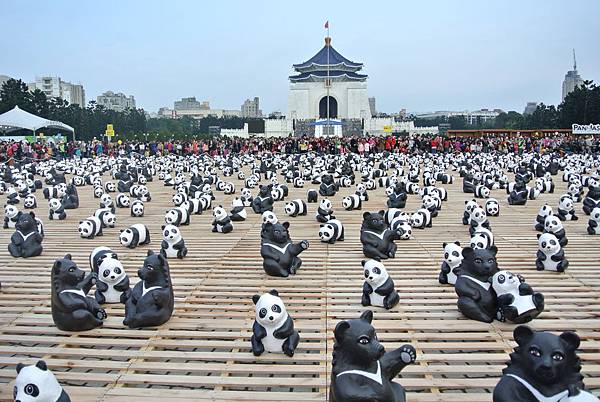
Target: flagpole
327, 83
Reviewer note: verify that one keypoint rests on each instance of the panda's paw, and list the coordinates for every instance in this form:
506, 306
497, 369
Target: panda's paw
304, 244
500, 315
101, 314
94, 278
408, 354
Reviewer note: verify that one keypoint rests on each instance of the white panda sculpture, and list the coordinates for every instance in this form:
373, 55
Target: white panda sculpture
566, 209
482, 238
478, 220
172, 245
222, 222
331, 231
450, 269
550, 255
553, 225
325, 211
113, 281
107, 218
135, 235
481, 191
378, 288
10, 216
295, 208
352, 202
469, 206
106, 201
36, 383
421, 219
517, 302
269, 217
137, 208
401, 225
540, 220
273, 330
30, 202
177, 216
238, 210
56, 211
123, 200
90, 227
492, 207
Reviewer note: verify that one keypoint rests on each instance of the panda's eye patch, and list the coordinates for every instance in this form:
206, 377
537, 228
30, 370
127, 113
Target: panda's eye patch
174, 230
262, 313
376, 270
32, 389
501, 279
106, 273
446, 255
276, 309
534, 351
455, 253
117, 270
552, 242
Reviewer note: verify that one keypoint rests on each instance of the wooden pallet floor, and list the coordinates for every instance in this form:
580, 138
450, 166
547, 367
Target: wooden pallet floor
203, 352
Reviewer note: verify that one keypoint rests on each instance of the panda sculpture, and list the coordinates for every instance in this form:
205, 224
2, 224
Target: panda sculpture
540, 220
312, 196
325, 211
172, 245
12, 197
110, 187
352, 202
122, 201
263, 200
295, 208
36, 383
106, 201
26, 241
177, 216
550, 254
397, 198
469, 206
481, 191
476, 297
273, 329
71, 199
492, 207
429, 203
222, 222
72, 309
151, 301
135, 235
246, 196
543, 367
421, 219
279, 253
376, 238
553, 225
566, 209
137, 208
361, 191
30, 202
478, 220
113, 282
10, 216
450, 269
56, 211
90, 227
482, 238
269, 217
238, 210
361, 368
517, 302
106, 217
401, 225
328, 187
378, 288
592, 198
331, 231
593, 227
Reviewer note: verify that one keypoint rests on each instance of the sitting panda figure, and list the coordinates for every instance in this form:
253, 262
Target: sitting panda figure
106, 201
325, 211
55, 210
90, 228
98, 192
263, 200
401, 225
352, 202
566, 209
378, 288
273, 329
123, 201
543, 367
107, 218
450, 269
482, 238
151, 301
492, 207
177, 216
222, 222
113, 282
26, 241
540, 220
469, 206
280, 254
238, 210
550, 255
376, 238
10, 216
429, 203
328, 187
172, 245
517, 302
30, 202
246, 197
295, 208
137, 208
361, 191
478, 220
12, 197
312, 196
135, 235
553, 225
72, 309
37, 383
594, 222
331, 231
421, 219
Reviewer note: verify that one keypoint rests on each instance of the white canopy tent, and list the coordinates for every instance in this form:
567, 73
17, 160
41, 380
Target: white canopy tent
17, 119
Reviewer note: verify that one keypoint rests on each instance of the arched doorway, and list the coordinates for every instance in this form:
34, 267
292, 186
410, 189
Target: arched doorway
333, 108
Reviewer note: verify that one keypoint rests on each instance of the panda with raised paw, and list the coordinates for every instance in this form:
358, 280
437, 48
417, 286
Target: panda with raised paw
331, 231
450, 269
550, 255
325, 211
540, 220
137, 208
90, 227
56, 211
222, 222
10, 216
172, 245
238, 210
566, 209
246, 197
295, 208
594, 222
492, 207
36, 383
517, 302
401, 226
273, 329
135, 235
378, 288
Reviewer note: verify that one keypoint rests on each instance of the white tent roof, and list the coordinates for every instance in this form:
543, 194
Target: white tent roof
16, 119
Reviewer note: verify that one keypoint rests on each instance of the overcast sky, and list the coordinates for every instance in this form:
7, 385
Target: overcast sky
419, 55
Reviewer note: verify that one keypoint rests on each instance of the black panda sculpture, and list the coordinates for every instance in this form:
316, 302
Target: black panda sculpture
72, 309
543, 367
361, 368
27, 240
328, 187
397, 199
377, 240
151, 301
263, 201
280, 255
71, 199
476, 297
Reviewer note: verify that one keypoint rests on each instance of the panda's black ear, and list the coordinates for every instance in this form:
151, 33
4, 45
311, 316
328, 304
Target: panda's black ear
41, 365
150, 252
539, 235
68, 256
494, 249
363, 262
32, 214
366, 215
286, 225
457, 243
571, 338
382, 212
444, 244
339, 330
523, 334
466, 202
274, 292
19, 367
467, 253
162, 227
367, 316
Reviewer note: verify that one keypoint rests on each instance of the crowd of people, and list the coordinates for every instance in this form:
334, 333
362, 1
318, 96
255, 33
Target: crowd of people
19, 150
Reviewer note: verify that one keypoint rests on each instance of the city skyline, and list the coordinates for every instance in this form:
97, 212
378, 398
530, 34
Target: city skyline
425, 57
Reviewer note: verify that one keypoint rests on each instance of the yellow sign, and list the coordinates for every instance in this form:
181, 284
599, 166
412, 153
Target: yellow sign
109, 127
387, 129
110, 133
41, 135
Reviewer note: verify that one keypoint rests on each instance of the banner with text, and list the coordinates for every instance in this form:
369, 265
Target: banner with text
586, 128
